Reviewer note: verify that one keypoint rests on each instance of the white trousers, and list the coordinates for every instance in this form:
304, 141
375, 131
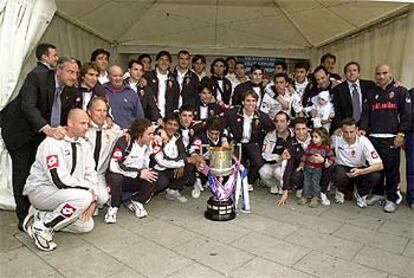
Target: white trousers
61, 208
272, 174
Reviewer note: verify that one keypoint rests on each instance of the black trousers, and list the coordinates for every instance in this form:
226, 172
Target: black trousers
187, 179
391, 159
363, 183
253, 153
297, 178
142, 190
22, 160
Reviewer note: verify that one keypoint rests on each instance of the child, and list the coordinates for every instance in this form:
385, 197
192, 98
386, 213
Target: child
322, 103
313, 171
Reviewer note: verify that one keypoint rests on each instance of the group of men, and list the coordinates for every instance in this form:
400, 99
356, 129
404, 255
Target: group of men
85, 136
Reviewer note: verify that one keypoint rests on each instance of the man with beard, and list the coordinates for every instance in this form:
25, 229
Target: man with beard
163, 84
255, 84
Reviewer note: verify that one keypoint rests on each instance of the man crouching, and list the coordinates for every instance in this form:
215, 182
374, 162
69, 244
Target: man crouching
61, 185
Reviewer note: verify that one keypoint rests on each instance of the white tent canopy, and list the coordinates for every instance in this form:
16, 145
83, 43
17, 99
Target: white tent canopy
365, 31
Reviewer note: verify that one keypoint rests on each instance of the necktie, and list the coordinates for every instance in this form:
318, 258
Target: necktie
56, 108
356, 104
98, 146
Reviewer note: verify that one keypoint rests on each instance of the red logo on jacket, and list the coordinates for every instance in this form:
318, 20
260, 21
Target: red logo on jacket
52, 161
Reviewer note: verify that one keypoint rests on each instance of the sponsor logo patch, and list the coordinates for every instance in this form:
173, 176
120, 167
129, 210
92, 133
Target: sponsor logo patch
374, 154
52, 161
117, 155
67, 210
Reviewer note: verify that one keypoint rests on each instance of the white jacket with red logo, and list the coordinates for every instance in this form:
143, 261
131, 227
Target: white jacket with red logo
66, 163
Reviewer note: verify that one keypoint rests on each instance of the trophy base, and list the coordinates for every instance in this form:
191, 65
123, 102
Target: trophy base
220, 210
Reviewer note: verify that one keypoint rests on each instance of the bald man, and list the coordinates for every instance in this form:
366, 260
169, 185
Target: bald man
123, 100
62, 185
386, 117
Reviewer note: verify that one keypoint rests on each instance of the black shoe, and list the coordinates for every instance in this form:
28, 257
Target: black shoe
20, 226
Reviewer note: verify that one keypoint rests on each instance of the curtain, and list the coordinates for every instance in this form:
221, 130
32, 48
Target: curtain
391, 42
22, 23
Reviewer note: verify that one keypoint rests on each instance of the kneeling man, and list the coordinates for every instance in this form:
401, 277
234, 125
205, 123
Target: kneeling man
62, 185
352, 153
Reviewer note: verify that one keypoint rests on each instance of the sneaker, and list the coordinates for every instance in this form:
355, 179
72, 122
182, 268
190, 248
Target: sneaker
28, 221
314, 202
299, 193
390, 206
324, 200
42, 236
302, 201
339, 197
375, 199
195, 193
175, 195
250, 187
360, 201
280, 192
274, 190
110, 216
139, 209
96, 212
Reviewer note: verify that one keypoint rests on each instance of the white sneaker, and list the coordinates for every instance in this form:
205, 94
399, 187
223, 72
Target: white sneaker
28, 221
96, 212
375, 199
175, 195
195, 193
339, 197
390, 206
360, 201
41, 235
110, 216
139, 209
274, 190
250, 187
299, 193
280, 192
324, 200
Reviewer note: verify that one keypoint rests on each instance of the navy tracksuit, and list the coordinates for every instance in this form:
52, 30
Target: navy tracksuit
387, 112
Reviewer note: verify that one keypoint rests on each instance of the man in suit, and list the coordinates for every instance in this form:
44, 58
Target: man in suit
222, 85
47, 56
39, 110
254, 84
349, 96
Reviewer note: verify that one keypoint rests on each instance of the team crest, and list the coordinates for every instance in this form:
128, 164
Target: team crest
376, 96
170, 84
408, 99
141, 92
188, 80
227, 87
154, 81
78, 99
353, 152
391, 94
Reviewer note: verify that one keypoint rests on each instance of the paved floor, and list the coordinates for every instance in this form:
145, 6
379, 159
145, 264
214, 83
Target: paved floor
177, 241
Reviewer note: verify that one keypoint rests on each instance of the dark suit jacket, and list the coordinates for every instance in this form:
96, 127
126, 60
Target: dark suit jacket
343, 101
261, 125
31, 109
172, 93
189, 90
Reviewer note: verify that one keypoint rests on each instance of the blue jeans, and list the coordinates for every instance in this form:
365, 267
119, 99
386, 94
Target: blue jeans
312, 179
409, 154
